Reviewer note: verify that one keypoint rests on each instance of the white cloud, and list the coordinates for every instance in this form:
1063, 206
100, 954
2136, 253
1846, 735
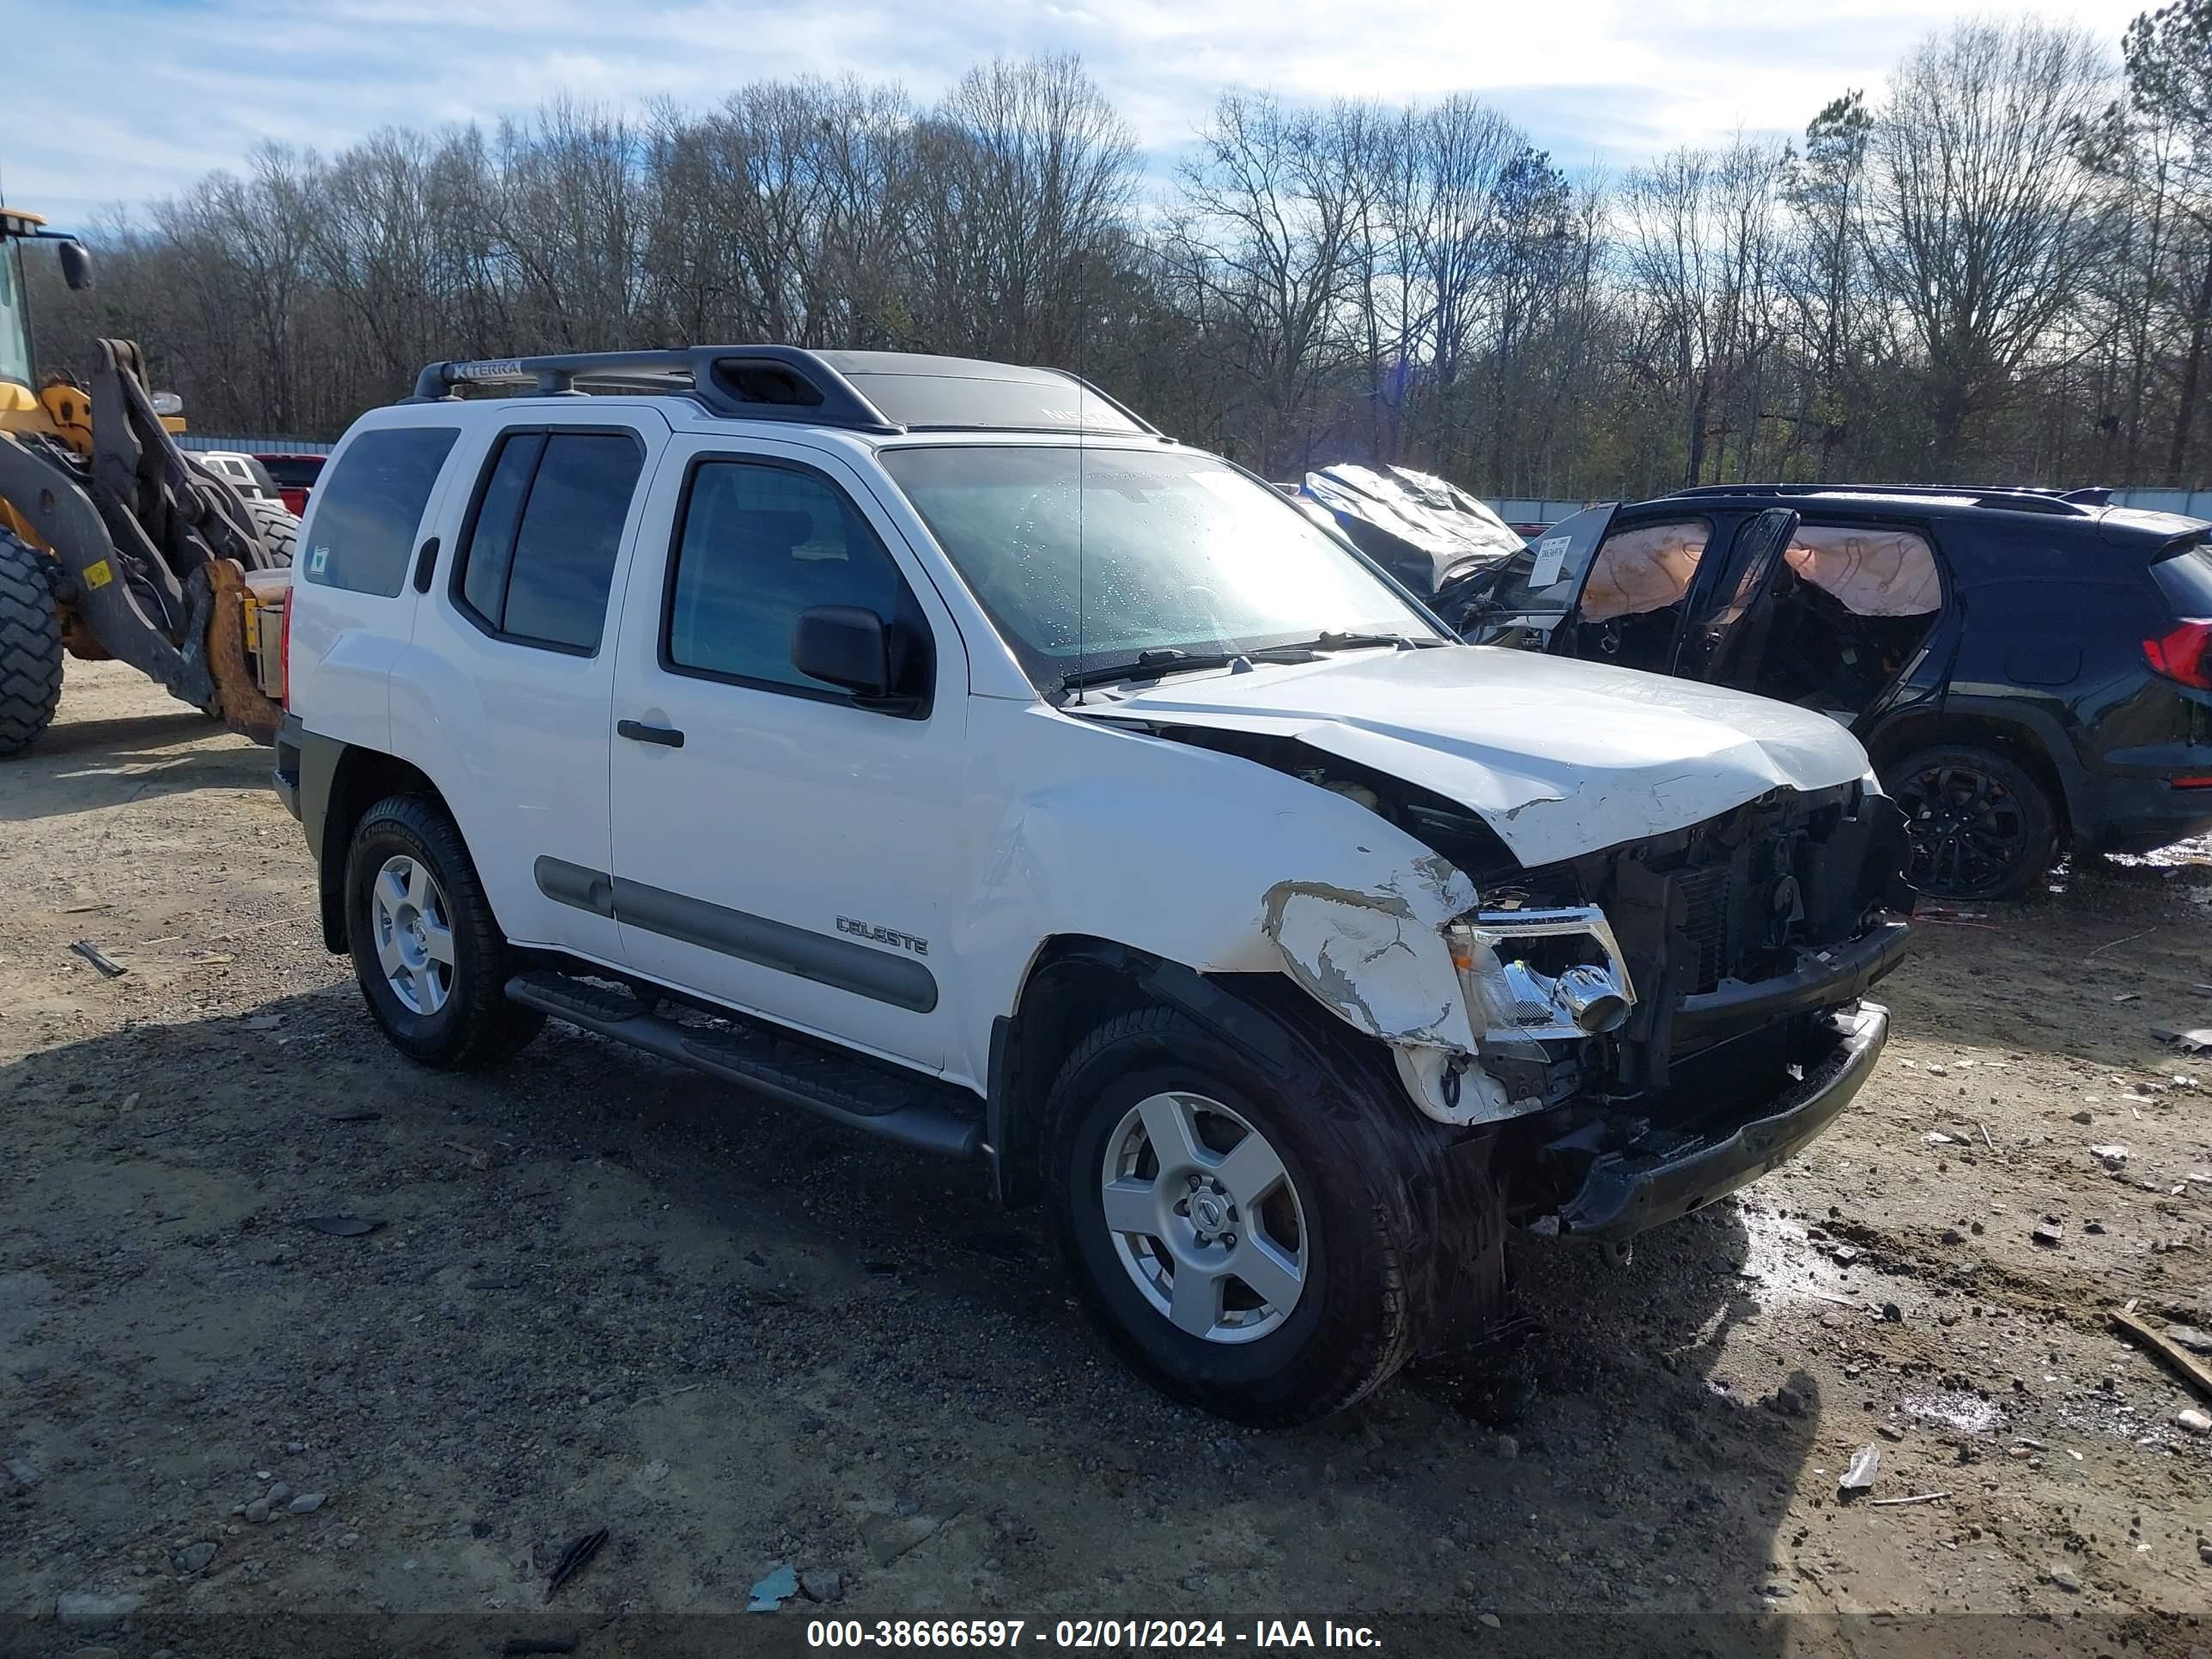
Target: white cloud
128, 100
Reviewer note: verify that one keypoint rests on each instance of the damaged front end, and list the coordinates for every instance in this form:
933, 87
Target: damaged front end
1641, 1029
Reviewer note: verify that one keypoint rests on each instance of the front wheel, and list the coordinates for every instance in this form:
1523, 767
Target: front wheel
30, 647
427, 950
1981, 826
1249, 1251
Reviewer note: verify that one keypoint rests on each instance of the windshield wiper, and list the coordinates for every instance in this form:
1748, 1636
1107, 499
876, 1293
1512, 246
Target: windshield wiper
1150, 665
1355, 642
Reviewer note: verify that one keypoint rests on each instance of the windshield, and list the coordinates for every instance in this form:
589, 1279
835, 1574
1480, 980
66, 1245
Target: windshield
1177, 552
14, 322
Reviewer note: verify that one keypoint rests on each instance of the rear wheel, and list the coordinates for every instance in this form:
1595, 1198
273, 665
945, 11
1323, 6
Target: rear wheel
30, 647
279, 530
429, 955
1982, 826
1249, 1252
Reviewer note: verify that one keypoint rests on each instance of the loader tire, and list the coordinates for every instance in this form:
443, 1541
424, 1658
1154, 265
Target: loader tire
278, 526
30, 647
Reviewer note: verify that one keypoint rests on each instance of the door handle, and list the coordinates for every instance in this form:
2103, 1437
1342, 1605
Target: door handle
638, 732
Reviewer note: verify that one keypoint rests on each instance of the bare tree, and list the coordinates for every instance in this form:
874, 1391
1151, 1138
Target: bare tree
1979, 213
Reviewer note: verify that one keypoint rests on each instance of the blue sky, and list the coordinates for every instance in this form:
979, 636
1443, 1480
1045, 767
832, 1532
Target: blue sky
118, 101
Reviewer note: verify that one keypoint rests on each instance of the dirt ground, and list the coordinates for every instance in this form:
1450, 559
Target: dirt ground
606, 1293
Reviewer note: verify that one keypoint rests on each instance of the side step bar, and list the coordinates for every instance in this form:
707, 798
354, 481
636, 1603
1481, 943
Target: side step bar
861, 1093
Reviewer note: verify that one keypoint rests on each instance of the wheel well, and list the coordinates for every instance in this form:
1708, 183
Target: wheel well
362, 778
2017, 743
1078, 982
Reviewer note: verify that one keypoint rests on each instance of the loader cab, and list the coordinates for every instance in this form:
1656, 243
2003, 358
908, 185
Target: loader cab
14, 313
17, 226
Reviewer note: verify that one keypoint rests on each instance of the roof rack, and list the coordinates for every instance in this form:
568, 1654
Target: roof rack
755, 383
2019, 498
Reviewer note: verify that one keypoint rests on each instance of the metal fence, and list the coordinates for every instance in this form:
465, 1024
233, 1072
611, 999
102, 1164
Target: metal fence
260, 444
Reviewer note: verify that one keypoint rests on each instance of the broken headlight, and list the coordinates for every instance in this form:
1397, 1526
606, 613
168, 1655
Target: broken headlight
1531, 976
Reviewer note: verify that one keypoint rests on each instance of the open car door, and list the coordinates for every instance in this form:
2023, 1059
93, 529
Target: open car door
1726, 638
1522, 601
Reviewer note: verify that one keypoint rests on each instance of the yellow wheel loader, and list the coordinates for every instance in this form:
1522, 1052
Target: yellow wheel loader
113, 542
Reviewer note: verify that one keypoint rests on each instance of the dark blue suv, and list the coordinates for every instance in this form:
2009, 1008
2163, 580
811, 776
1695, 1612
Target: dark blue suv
2029, 671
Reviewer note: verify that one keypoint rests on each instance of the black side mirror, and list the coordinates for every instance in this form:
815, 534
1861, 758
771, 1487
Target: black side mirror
845, 645
76, 265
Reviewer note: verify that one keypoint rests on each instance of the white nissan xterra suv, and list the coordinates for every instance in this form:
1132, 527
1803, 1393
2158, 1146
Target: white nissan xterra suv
935, 745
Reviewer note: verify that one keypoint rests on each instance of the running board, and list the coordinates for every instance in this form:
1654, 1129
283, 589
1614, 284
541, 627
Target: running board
846, 1088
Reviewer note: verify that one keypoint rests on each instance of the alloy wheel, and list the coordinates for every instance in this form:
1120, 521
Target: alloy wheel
414, 933
1969, 831
1205, 1220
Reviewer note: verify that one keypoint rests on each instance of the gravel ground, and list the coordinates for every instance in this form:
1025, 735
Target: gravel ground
605, 1293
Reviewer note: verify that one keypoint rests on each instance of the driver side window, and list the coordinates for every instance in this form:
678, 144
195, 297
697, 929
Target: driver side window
759, 543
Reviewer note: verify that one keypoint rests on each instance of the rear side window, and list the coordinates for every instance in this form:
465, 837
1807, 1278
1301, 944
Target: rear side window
760, 544
539, 555
366, 514
2186, 579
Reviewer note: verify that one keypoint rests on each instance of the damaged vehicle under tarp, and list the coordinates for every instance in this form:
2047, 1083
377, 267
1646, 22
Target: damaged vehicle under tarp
1634, 958
1420, 528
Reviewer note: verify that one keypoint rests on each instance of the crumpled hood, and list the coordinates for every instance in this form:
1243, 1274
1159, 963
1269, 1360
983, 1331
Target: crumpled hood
1560, 757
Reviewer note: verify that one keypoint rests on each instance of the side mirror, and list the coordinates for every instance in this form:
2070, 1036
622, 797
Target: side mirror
76, 265
845, 645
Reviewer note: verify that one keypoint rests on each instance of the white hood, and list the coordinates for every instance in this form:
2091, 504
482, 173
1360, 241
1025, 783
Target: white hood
1560, 757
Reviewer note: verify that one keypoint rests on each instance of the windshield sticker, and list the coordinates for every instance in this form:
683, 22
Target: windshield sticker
1551, 554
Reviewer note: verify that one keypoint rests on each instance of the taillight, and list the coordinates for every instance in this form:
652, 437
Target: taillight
285, 655
2185, 655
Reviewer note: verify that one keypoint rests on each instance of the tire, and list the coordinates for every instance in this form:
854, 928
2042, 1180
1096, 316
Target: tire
279, 530
1981, 825
456, 1019
1349, 1174
30, 647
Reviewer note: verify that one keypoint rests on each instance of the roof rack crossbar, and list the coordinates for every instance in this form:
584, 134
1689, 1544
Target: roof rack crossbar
754, 383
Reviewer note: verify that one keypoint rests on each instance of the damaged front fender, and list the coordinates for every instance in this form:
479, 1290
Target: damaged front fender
1448, 987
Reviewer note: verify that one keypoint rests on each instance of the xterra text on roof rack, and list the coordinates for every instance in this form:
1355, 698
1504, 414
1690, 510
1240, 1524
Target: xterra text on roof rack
934, 744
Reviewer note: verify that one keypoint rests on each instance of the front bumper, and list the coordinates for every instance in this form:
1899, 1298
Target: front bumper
1669, 1173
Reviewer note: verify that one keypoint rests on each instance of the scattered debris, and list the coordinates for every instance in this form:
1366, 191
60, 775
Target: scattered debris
561, 1642
1986, 1141
1917, 1497
92, 1608
574, 1559
2193, 1420
2065, 1579
2190, 1337
341, 1226
306, 1503
1843, 1254
1866, 1463
770, 1593
2197, 1041
2115, 943
2110, 1156
354, 1117
1892, 1314
108, 966
2048, 1234
192, 1557
822, 1584
2178, 1358
1889, 1431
